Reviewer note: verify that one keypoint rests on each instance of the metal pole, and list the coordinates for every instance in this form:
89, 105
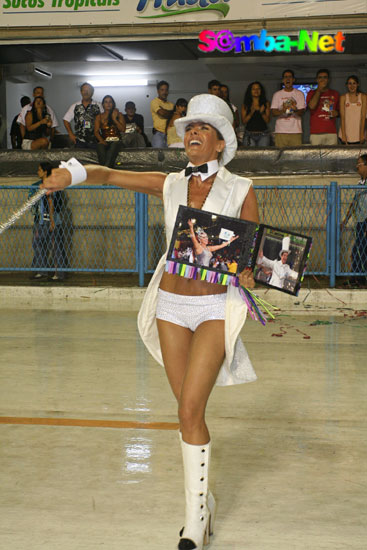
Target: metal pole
140, 240
333, 231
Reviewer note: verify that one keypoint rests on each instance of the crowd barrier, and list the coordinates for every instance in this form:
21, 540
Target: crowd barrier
107, 229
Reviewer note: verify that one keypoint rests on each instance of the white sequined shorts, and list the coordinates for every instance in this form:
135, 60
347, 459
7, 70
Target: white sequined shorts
190, 311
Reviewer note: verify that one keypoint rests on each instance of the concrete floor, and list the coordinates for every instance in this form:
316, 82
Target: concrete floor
89, 448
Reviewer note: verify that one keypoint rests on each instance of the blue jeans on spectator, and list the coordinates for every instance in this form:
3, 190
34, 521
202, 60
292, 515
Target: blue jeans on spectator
359, 252
256, 139
159, 140
48, 248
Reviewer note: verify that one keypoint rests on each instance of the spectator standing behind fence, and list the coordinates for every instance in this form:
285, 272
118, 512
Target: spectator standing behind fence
214, 87
48, 238
38, 132
224, 94
358, 209
288, 105
255, 115
16, 136
161, 109
84, 114
134, 133
173, 140
352, 113
324, 108
38, 91
108, 128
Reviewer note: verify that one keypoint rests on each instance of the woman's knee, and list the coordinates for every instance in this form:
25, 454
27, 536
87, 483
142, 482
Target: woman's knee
190, 414
40, 143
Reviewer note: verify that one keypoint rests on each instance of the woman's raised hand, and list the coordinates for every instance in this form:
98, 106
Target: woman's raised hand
115, 114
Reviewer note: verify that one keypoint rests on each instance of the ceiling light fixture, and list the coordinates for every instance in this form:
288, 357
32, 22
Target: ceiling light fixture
105, 82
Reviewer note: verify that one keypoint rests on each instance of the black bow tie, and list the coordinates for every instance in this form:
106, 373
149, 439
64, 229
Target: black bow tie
203, 168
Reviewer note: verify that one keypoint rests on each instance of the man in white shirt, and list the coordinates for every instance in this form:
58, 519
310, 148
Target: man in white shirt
38, 91
281, 271
288, 105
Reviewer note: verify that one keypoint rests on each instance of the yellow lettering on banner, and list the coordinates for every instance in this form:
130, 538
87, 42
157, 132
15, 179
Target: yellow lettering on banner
326, 43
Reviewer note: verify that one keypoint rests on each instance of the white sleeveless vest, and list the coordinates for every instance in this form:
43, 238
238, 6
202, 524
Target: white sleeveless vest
226, 197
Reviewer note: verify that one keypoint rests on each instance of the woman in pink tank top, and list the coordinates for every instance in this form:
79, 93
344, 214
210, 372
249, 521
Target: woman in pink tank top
352, 113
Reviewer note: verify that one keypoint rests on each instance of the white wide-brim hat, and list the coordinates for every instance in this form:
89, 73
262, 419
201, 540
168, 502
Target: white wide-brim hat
215, 111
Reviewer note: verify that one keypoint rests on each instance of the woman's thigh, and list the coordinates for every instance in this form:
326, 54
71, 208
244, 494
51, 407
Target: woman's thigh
205, 358
175, 342
192, 360
41, 143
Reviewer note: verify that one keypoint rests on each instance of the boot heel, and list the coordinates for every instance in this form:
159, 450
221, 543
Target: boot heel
212, 507
207, 533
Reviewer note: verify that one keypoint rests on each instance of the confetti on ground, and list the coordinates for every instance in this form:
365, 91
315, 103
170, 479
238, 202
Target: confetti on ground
283, 332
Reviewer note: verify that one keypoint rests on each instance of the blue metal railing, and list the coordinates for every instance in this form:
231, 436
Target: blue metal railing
107, 229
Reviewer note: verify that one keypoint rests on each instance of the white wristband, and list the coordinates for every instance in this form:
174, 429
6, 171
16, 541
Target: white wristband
77, 170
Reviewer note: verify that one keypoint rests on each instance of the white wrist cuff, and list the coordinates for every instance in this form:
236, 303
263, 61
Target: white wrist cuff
77, 170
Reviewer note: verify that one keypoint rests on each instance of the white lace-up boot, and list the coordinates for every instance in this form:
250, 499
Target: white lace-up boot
196, 459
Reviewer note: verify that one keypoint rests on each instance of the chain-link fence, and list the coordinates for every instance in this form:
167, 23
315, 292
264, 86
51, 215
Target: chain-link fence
302, 210
352, 230
86, 228
107, 229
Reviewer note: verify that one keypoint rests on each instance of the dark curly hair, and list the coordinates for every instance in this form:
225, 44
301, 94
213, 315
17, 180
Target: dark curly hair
247, 101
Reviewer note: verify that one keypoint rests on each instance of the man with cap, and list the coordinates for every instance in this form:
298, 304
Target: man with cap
281, 271
191, 326
134, 134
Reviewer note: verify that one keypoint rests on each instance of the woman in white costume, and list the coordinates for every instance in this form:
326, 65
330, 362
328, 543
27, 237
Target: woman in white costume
191, 326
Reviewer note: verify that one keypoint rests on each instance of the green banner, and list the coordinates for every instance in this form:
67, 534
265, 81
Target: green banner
223, 8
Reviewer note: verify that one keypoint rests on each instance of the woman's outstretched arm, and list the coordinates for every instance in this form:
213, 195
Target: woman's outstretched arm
215, 247
142, 182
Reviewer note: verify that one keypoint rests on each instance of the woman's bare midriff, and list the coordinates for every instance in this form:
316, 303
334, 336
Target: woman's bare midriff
189, 287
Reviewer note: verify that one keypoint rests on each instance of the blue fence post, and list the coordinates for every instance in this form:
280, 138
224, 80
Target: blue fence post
333, 231
140, 237
338, 233
144, 199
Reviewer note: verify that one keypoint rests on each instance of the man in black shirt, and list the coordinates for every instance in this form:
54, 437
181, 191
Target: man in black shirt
134, 133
